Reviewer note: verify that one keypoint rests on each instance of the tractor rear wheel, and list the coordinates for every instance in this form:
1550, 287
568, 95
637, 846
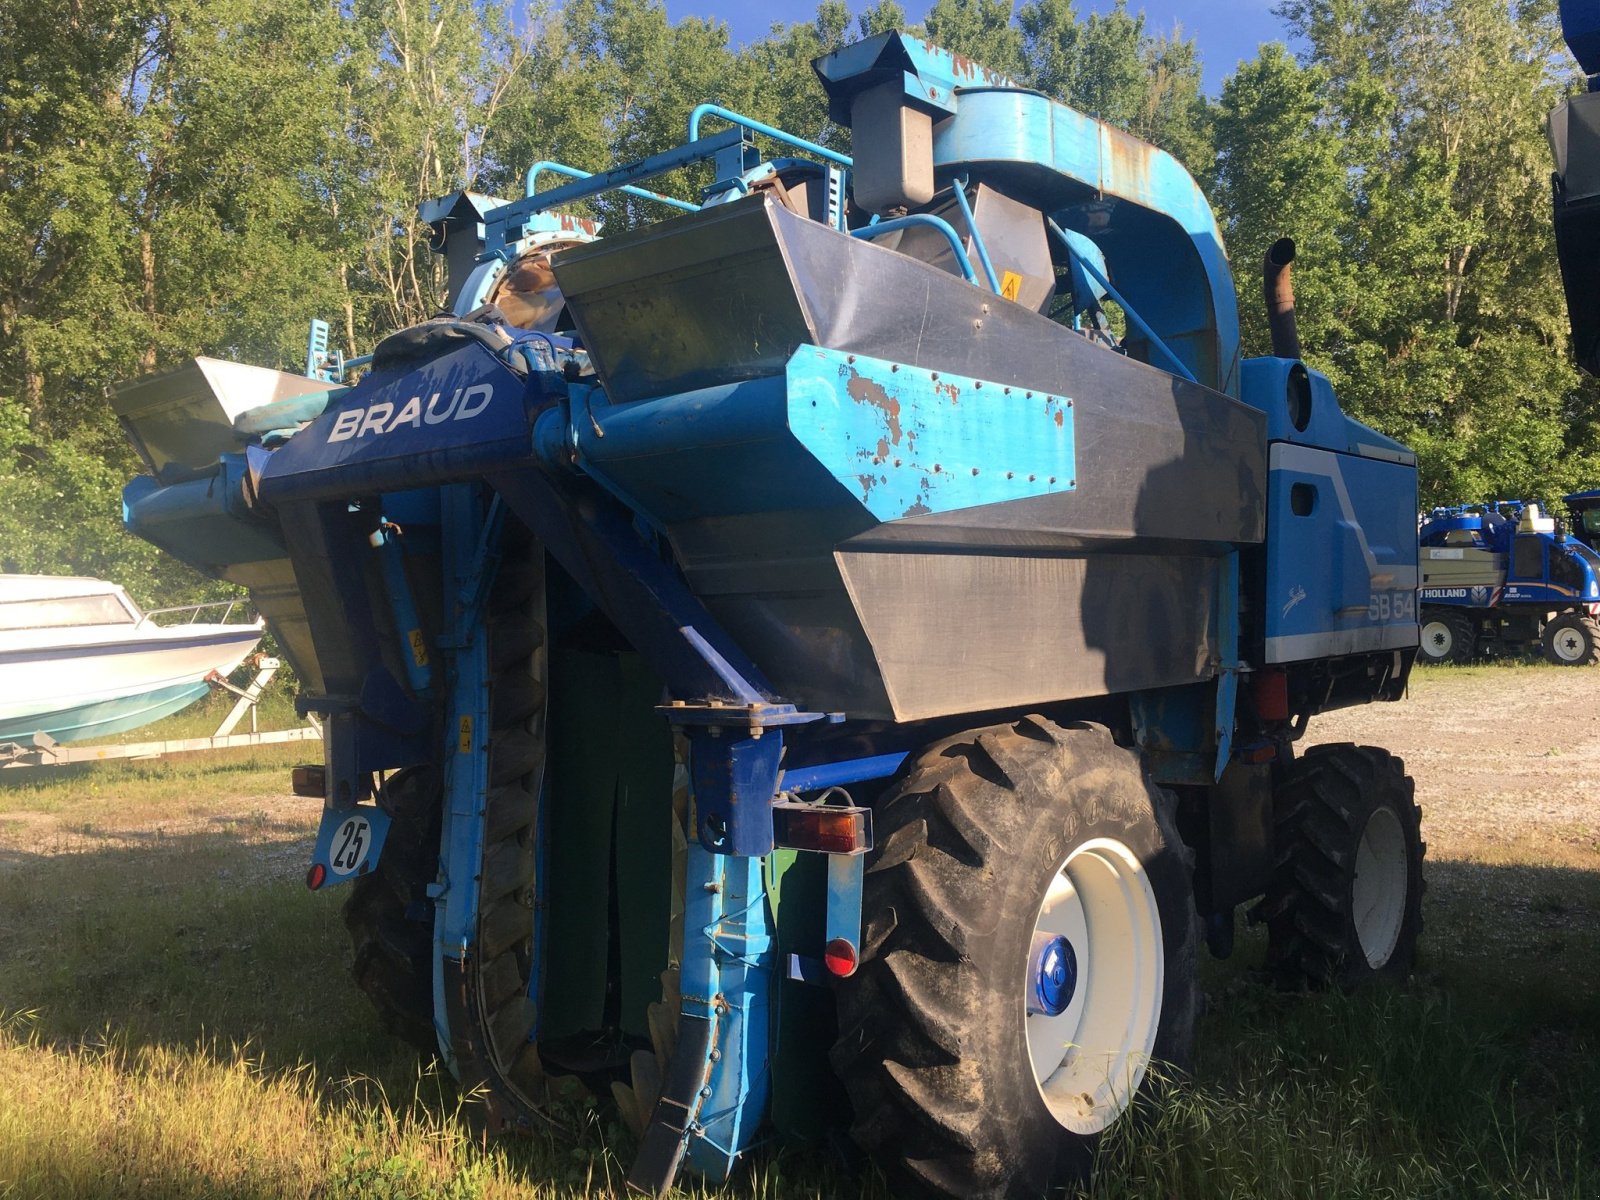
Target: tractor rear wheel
1344, 907
1028, 960
1447, 637
1571, 640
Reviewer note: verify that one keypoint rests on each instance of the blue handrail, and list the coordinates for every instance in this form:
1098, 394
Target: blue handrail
977, 238
868, 232
1128, 310
555, 168
703, 111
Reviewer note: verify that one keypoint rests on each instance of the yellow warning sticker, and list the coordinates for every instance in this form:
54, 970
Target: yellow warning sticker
1010, 285
464, 741
419, 648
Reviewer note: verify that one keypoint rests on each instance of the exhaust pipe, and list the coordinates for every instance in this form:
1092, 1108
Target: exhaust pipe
1278, 291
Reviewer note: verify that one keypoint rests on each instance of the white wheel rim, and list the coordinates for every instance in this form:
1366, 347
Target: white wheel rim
1378, 892
1090, 1059
1568, 644
1437, 639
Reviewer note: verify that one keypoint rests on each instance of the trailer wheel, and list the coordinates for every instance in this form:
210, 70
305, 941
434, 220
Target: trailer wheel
1447, 637
1028, 960
1344, 907
1571, 640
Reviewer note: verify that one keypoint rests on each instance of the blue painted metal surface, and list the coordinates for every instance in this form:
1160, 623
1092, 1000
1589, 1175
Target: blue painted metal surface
206, 522
466, 765
414, 647
349, 842
838, 774
906, 441
555, 168
1096, 273
977, 235
735, 783
846, 879
928, 75
317, 352
500, 224
702, 111
1266, 384
727, 978
1052, 974
1342, 558
1580, 26
457, 416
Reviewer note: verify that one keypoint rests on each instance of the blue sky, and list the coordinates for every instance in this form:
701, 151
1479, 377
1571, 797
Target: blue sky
1226, 30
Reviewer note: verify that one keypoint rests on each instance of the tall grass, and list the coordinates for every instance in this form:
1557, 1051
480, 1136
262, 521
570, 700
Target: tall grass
182, 1025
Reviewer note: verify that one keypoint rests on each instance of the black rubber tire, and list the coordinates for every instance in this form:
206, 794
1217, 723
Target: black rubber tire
933, 1047
1454, 639
1322, 807
389, 914
1578, 637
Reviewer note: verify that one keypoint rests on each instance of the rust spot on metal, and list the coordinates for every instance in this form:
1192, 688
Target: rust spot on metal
1061, 417
865, 391
883, 451
572, 224
867, 481
1126, 170
950, 391
918, 509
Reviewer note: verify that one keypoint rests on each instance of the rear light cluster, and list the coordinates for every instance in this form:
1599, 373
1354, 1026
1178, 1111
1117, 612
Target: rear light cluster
825, 828
311, 780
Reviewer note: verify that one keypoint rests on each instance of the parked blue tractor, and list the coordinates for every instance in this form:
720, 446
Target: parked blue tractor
839, 649
1504, 578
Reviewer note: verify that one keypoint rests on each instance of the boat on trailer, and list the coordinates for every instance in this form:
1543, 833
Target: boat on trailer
79, 659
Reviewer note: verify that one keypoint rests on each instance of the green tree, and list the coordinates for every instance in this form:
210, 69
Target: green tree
1279, 173
981, 30
1449, 331
1108, 66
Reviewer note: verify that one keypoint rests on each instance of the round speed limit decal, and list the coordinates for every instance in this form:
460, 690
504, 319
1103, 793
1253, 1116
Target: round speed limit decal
351, 841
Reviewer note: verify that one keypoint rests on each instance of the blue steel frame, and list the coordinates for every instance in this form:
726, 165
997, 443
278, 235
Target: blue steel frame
471, 533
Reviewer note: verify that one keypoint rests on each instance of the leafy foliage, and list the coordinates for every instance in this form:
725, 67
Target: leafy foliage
197, 177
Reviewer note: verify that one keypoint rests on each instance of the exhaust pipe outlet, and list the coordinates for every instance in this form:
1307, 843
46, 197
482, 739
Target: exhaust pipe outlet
1278, 291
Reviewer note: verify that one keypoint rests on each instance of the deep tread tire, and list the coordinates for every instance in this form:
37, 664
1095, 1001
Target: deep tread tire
1571, 640
389, 914
933, 1045
1322, 807
1447, 637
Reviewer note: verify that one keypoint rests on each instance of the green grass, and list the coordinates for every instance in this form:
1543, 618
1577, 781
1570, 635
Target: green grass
182, 1025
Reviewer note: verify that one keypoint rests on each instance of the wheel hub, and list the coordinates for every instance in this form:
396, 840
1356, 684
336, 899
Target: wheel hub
1090, 1033
1053, 975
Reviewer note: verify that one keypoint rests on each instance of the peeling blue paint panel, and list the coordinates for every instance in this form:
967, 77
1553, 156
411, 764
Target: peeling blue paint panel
908, 441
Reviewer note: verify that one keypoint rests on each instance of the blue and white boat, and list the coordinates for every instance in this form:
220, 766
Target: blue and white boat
79, 659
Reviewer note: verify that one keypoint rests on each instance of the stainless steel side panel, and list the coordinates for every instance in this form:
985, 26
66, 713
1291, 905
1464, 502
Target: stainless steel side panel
1105, 588
964, 633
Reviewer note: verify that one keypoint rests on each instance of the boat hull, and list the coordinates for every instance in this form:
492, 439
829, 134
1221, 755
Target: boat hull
106, 717
97, 689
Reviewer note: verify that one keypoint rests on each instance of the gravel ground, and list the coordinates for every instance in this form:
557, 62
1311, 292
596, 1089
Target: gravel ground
1504, 757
